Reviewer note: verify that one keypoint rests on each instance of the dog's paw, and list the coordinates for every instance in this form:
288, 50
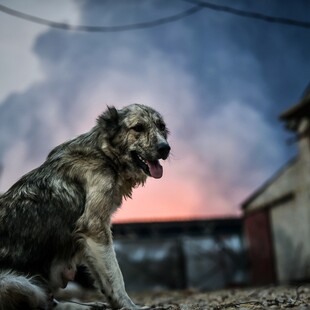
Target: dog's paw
136, 308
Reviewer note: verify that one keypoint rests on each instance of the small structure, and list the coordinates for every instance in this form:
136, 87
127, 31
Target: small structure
277, 215
204, 254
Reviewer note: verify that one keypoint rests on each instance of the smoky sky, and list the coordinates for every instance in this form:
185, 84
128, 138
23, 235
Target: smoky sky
220, 81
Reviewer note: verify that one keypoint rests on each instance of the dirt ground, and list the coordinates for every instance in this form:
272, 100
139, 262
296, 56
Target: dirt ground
279, 297
242, 299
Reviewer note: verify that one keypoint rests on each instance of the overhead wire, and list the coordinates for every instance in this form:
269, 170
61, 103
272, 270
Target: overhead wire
84, 28
198, 6
250, 14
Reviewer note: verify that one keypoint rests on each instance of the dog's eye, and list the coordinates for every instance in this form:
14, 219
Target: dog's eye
138, 128
161, 126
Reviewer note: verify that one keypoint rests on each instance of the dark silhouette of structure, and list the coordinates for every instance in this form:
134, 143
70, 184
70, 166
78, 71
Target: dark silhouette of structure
277, 215
203, 254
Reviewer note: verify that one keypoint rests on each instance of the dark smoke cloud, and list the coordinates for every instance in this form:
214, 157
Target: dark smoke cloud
219, 80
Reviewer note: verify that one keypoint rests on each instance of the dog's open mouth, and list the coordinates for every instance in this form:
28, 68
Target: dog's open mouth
152, 168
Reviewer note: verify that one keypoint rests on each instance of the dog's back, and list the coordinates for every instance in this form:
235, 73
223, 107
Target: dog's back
35, 230
35, 225
20, 292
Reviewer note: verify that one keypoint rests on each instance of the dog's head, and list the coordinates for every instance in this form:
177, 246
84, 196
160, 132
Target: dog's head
137, 134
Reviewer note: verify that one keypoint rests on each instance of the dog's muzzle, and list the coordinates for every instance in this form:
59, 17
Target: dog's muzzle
163, 150
152, 167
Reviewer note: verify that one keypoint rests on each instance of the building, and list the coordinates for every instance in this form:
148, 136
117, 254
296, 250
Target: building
277, 215
202, 254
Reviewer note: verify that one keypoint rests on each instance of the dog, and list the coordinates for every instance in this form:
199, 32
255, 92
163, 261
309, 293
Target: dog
59, 215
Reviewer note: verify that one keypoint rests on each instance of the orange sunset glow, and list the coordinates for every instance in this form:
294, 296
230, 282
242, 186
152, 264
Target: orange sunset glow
176, 196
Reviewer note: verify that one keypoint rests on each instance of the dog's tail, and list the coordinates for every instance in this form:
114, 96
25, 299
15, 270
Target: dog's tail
20, 292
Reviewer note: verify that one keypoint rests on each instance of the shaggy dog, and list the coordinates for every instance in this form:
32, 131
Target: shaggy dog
59, 214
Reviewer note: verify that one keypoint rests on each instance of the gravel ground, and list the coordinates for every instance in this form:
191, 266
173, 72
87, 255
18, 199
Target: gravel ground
242, 299
279, 297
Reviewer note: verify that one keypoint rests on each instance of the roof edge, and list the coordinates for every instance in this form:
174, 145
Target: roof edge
269, 181
303, 105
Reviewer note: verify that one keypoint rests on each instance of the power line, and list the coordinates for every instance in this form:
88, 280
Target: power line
199, 5
65, 26
250, 14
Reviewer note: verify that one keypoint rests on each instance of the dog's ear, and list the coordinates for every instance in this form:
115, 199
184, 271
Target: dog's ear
109, 121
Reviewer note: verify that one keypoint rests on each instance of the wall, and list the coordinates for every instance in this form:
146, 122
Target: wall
291, 222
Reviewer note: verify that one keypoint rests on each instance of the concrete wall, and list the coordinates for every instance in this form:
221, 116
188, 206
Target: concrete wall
282, 184
291, 222
290, 239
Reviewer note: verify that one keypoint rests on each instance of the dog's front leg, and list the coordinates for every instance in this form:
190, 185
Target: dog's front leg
102, 262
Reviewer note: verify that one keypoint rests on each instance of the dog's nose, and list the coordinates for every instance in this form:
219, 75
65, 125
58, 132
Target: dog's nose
163, 150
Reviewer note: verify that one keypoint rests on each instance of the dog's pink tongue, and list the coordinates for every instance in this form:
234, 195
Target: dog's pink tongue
156, 169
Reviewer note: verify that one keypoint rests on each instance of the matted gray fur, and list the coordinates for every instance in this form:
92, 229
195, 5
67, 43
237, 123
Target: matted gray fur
59, 214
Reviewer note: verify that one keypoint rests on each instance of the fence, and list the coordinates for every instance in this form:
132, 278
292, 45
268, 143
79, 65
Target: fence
206, 255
